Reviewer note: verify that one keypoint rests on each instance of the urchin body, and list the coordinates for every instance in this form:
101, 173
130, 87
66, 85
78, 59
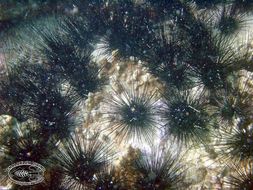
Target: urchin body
133, 112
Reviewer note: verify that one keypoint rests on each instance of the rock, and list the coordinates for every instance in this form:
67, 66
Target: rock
196, 175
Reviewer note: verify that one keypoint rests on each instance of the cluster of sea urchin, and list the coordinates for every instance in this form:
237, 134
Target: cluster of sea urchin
188, 46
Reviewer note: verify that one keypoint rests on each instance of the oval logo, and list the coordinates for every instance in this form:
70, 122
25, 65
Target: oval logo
26, 173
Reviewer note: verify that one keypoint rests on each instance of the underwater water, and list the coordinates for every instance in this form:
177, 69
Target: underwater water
126, 94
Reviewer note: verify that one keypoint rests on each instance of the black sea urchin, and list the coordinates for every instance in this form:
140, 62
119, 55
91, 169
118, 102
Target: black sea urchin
214, 66
71, 63
207, 4
81, 161
236, 142
128, 31
38, 94
54, 112
159, 170
185, 116
230, 21
213, 58
27, 144
166, 59
24, 80
241, 178
242, 5
226, 110
233, 102
132, 113
108, 180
